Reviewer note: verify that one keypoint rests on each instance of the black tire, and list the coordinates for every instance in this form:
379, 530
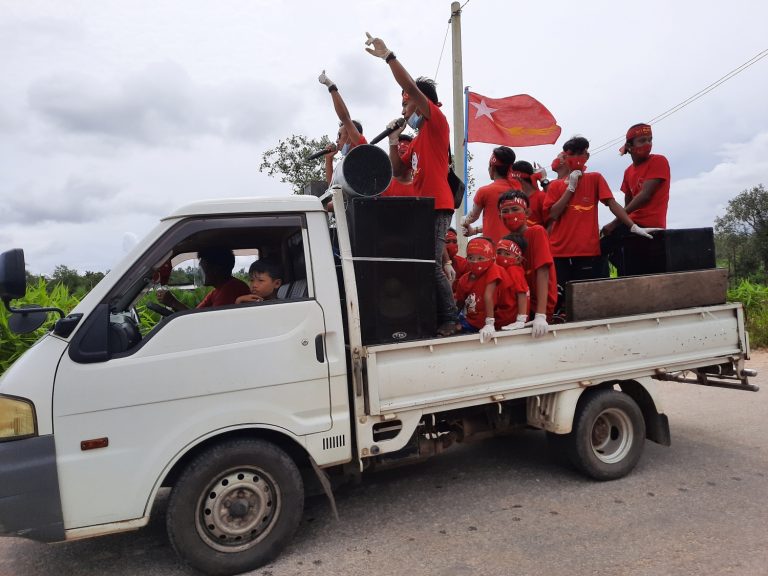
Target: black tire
608, 435
235, 507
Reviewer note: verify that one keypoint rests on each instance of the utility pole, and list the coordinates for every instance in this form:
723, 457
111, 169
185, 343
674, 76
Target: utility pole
458, 110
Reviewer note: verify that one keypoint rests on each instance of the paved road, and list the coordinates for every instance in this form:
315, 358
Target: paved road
503, 507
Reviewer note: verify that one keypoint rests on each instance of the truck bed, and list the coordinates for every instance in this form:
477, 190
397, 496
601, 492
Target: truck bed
447, 373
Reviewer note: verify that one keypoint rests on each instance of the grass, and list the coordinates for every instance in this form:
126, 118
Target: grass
754, 297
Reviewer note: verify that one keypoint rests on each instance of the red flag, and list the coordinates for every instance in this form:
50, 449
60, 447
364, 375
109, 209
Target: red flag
512, 121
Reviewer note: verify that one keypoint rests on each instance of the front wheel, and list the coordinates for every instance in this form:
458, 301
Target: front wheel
608, 435
235, 507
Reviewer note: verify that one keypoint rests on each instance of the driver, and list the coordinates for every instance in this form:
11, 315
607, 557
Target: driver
216, 265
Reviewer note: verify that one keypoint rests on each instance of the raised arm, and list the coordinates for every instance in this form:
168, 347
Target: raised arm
341, 108
402, 77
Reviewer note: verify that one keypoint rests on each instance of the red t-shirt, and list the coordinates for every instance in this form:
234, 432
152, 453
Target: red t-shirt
397, 188
537, 214
577, 231
506, 296
225, 294
459, 266
429, 159
654, 213
536, 255
487, 198
466, 286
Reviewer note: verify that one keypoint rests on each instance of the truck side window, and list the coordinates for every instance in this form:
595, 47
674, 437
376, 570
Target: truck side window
136, 307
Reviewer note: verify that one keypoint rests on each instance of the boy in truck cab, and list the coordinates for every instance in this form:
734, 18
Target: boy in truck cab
265, 278
216, 265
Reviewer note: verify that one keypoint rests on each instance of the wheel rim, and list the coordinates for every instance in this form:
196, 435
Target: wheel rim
238, 509
612, 436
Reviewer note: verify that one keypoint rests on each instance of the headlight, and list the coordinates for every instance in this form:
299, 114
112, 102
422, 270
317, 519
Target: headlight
17, 418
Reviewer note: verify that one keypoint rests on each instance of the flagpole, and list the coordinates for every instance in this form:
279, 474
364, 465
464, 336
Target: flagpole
466, 150
458, 108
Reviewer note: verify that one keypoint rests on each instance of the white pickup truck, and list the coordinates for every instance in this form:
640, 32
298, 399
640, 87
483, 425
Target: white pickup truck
235, 408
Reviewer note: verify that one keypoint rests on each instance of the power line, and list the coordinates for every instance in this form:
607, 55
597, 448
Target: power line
689, 100
439, 60
442, 50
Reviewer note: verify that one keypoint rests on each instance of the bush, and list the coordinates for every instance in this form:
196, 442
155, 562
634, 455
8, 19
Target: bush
754, 297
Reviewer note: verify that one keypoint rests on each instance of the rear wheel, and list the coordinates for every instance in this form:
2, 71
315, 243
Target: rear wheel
608, 435
235, 507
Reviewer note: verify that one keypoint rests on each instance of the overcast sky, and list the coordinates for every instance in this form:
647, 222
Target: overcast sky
113, 113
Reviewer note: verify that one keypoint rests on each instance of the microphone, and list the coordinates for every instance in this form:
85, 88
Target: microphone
316, 155
398, 123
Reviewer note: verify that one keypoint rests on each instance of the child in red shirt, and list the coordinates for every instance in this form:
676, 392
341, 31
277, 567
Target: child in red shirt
487, 197
512, 297
537, 259
476, 290
459, 263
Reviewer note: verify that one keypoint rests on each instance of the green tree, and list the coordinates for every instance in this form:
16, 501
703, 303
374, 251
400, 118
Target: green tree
742, 234
287, 160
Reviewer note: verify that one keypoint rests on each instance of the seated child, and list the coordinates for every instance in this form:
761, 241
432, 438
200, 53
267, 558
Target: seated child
512, 295
265, 278
459, 263
537, 259
475, 291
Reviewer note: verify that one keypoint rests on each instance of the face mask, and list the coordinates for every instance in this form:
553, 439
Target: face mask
414, 121
345, 149
514, 222
556, 163
642, 151
479, 268
505, 261
576, 162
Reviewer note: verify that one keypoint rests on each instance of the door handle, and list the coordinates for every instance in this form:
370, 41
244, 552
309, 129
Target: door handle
319, 348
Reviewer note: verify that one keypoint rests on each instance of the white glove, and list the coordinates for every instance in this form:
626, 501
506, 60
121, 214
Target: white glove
517, 324
323, 79
379, 49
487, 331
541, 171
573, 180
450, 273
540, 325
645, 232
397, 126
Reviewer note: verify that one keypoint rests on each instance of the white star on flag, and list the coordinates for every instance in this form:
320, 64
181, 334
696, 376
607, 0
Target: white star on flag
483, 110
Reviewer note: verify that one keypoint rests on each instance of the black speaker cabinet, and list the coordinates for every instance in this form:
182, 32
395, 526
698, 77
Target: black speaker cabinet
392, 227
669, 251
397, 301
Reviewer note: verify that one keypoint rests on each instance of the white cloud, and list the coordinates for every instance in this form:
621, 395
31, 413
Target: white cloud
158, 106
697, 200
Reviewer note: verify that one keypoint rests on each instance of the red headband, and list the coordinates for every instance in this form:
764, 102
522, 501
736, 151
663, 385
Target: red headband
634, 132
518, 174
480, 247
512, 201
509, 246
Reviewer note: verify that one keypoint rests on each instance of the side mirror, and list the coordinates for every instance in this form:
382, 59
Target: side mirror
13, 285
27, 319
13, 278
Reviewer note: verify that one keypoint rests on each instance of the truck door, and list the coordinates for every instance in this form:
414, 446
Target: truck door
125, 404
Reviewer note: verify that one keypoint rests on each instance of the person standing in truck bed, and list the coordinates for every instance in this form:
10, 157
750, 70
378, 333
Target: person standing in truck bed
427, 156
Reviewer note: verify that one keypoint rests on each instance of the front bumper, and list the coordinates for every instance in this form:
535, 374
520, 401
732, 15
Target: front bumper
30, 504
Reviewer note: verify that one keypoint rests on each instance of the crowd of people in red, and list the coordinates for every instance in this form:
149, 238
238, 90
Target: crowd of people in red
535, 235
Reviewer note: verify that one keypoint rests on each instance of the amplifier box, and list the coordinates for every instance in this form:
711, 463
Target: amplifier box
669, 251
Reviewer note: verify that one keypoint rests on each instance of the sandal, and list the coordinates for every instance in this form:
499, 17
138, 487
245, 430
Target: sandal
447, 329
